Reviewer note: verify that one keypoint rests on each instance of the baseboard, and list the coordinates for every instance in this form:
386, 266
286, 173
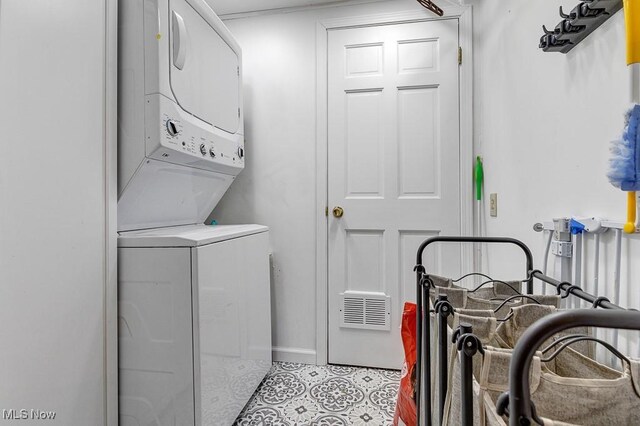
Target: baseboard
298, 355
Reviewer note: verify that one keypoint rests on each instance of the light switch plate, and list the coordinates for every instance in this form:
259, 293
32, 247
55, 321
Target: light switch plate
493, 205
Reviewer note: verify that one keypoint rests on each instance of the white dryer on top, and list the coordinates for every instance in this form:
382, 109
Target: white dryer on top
181, 133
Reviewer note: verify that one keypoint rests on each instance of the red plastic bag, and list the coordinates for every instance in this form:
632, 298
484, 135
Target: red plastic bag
406, 405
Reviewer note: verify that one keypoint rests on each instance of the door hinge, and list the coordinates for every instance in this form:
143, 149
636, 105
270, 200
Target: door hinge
459, 55
238, 71
326, 211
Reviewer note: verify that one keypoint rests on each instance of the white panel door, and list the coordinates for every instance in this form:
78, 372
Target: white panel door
394, 145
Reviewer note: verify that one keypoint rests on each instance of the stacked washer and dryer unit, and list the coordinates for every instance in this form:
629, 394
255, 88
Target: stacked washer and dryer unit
194, 302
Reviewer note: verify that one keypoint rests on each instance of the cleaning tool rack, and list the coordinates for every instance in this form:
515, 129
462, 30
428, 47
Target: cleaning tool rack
518, 407
576, 25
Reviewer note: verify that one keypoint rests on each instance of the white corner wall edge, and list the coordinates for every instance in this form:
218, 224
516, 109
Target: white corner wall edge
111, 228
59, 275
295, 355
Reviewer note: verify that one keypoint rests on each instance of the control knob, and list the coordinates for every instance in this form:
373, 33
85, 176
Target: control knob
240, 152
203, 149
172, 129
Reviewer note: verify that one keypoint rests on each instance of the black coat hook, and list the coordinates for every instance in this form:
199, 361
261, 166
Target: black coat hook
564, 15
576, 25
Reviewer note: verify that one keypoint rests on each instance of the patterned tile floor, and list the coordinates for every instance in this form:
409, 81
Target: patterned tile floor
308, 395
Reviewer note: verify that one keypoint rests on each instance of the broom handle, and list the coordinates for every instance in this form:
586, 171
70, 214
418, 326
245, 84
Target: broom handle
632, 19
630, 226
632, 32
632, 200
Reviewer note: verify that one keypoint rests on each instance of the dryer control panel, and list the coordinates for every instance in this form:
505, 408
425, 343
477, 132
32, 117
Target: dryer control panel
176, 136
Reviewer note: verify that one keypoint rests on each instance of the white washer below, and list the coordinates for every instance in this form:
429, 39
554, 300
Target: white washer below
194, 323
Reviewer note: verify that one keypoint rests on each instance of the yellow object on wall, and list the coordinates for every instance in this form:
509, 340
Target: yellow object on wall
630, 225
632, 20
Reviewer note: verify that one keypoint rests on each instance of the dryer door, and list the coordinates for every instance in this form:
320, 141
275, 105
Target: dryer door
205, 66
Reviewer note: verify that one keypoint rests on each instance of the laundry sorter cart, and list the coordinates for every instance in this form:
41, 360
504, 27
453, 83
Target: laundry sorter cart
442, 388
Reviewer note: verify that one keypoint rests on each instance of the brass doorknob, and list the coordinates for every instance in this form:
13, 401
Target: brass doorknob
338, 212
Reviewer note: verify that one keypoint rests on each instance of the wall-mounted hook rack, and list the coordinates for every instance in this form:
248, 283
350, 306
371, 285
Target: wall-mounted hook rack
576, 25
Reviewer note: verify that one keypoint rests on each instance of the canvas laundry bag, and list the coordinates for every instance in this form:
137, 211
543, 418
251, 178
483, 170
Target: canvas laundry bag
457, 297
522, 317
612, 399
488, 299
482, 303
485, 329
569, 362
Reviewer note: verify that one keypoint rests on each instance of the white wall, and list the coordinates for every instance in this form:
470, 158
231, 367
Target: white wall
57, 282
278, 186
543, 123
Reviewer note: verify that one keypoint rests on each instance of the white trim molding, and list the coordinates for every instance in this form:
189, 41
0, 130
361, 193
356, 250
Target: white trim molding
111, 203
466, 134
322, 202
452, 11
297, 355
293, 9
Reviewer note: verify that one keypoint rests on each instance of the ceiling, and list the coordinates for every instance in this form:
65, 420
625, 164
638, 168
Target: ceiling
225, 7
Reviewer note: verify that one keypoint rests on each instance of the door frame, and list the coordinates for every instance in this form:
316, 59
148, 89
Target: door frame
111, 214
465, 35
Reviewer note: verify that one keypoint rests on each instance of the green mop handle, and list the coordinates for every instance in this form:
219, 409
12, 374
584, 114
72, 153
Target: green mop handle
479, 178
